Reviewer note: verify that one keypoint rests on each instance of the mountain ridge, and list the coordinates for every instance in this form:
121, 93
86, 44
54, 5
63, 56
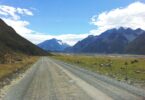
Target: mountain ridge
110, 41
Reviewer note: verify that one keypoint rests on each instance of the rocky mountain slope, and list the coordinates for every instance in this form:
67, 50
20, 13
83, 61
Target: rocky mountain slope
110, 41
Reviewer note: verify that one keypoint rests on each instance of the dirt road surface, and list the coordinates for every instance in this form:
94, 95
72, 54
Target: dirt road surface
49, 79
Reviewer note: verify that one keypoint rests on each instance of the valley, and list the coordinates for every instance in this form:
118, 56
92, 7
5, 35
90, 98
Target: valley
72, 50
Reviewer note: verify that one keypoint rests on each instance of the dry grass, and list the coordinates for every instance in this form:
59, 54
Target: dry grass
122, 67
8, 69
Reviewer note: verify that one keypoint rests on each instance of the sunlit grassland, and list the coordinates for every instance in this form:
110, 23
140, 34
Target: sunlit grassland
8, 69
122, 68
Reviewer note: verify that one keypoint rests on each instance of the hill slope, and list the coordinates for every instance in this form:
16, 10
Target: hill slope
11, 42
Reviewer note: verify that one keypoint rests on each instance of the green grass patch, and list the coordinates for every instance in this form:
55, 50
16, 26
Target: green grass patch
118, 67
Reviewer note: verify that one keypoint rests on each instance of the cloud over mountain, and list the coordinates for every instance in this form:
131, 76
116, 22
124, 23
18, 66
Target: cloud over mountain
13, 17
132, 16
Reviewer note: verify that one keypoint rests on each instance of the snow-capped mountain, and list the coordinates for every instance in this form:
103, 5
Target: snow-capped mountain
53, 45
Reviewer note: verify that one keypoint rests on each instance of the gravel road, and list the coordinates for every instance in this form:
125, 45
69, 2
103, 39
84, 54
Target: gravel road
49, 79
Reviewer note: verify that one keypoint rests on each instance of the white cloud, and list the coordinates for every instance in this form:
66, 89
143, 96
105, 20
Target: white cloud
9, 11
24, 11
71, 39
132, 16
19, 25
14, 13
12, 16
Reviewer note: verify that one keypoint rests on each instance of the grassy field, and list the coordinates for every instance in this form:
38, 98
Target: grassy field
6, 70
130, 69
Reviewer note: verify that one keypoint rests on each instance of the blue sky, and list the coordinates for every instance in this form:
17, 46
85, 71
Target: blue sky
56, 18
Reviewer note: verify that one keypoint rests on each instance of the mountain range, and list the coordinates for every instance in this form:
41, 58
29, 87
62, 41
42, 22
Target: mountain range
53, 45
12, 43
121, 40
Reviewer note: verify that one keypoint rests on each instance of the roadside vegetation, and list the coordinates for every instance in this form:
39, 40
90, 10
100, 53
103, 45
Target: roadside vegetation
122, 68
10, 70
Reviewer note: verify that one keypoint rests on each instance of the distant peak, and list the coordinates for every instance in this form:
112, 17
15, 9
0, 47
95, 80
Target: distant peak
90, 36
121, 28
53, 39
124, 28
139, 29
128, 28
